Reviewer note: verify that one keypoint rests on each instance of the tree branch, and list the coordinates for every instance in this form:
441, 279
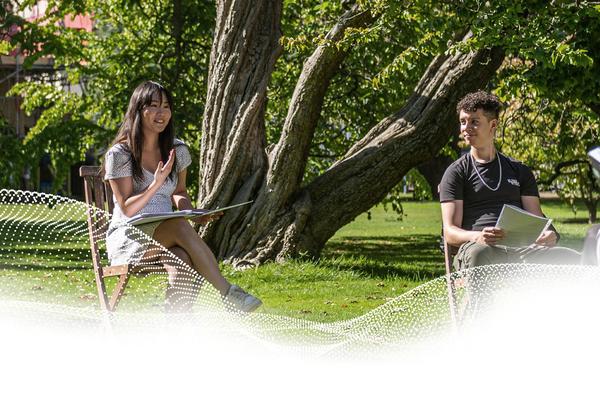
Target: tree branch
558, 170
288, 158
595, 107
400, 141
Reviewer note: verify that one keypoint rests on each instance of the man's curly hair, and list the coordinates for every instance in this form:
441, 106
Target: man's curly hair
489, 103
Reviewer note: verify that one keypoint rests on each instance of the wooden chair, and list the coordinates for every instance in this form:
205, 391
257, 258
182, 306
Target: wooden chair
449, 253
98, 196
451, 282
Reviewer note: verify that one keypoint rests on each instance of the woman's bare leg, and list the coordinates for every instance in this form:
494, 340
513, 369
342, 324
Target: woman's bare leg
183, 284
177, 232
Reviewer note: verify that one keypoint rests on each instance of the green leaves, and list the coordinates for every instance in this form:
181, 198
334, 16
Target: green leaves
56, 109
384, 63
552, 136
567, 55
13, 165
6, 47
131, 41
553, 48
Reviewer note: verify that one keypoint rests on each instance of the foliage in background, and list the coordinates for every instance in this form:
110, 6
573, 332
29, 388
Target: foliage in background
12, 166
384, 64
536, 30
567, 75
553, 138
553, 117
132, 41
557, 44
414, 186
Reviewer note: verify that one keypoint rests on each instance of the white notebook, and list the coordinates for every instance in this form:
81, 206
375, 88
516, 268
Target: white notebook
594, 156
146, 218
521, 228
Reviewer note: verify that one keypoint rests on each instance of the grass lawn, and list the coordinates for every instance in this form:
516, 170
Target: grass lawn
364, 265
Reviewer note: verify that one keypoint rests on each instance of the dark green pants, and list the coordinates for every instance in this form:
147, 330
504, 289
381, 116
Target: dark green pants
472, 254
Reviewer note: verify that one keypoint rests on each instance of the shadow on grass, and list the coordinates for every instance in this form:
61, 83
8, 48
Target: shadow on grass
582, 220
27, 266
414, 257
53, 245
42, 256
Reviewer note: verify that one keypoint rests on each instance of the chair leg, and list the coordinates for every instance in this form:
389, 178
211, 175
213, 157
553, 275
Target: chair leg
118, 291
452, 299
460, 303
450, 283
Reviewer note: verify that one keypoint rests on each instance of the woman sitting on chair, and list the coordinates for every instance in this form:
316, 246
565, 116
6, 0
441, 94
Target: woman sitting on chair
146, 169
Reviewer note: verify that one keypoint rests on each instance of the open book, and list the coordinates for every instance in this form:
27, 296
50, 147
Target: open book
521, 228
594, 156
146, 218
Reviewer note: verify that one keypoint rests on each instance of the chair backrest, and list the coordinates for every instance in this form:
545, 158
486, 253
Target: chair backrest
97, 192
449, 253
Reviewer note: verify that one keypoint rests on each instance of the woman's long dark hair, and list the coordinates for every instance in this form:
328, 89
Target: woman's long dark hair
131, 134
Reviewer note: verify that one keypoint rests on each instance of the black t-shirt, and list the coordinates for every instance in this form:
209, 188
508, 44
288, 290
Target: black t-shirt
481, 205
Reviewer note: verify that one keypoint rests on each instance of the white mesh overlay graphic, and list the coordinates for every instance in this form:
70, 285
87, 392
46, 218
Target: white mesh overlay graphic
47, 236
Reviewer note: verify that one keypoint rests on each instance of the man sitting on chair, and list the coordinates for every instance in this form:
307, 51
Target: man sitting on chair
476, 186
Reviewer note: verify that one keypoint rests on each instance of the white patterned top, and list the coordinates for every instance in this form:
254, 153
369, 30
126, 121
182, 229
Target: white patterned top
121, 246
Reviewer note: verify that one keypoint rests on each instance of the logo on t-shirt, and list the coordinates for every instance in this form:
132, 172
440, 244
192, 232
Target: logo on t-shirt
513, 182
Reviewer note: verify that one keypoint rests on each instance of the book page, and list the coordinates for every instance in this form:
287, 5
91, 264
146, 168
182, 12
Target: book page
594, 156
521, 228
146, 218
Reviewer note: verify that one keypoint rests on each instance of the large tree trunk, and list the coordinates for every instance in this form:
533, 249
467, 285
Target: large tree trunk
269, 181
287, 219
233, 161
592, 207
378, 162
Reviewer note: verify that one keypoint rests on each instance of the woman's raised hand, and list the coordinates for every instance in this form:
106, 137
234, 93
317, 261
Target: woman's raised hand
163, 171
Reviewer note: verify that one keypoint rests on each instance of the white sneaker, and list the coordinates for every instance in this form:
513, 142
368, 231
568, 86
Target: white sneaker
241, 300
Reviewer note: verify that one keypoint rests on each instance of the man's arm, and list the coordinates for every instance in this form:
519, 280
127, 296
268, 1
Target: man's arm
532, 204
452, 214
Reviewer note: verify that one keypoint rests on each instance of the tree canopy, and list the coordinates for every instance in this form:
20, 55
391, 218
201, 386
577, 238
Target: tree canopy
315, 109
132, 41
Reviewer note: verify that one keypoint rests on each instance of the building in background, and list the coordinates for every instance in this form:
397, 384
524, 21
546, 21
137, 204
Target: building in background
43, 70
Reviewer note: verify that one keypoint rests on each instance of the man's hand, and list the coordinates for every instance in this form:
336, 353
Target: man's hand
547, 238
205, 219
490, 235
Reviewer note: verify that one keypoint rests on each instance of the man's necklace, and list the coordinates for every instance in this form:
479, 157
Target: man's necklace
481, 178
